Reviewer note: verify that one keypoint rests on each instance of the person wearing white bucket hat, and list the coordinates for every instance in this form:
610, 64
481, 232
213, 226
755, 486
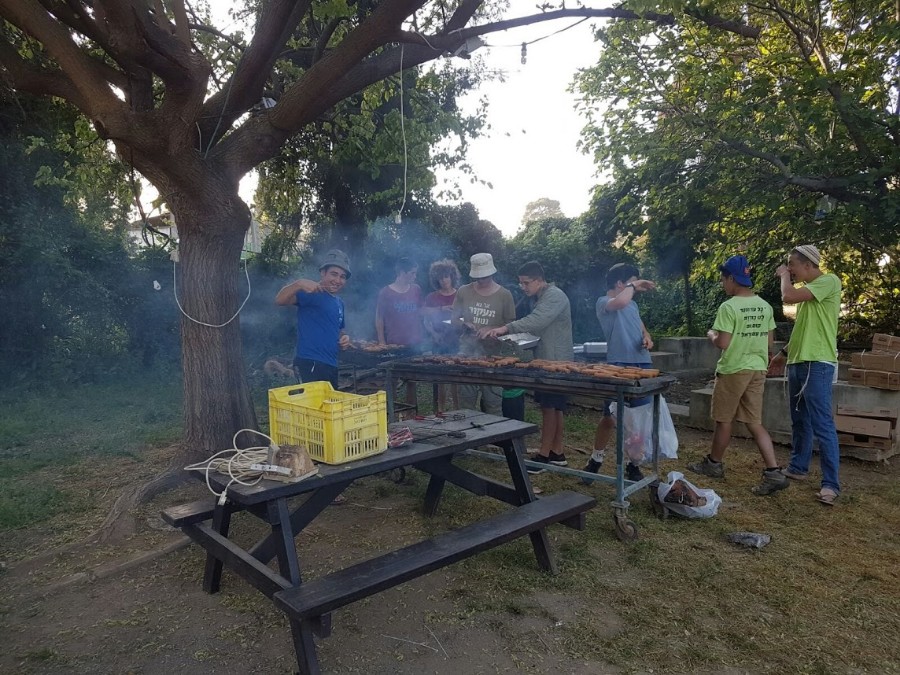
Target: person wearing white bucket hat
811, 356
481, 304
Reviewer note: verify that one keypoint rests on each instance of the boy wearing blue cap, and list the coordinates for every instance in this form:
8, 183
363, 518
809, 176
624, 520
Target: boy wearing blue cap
744, 331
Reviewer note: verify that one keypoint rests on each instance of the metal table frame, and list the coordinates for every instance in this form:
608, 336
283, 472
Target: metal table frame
619, 392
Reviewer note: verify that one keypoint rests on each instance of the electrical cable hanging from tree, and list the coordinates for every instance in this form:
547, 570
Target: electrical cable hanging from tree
399, 215
203, 323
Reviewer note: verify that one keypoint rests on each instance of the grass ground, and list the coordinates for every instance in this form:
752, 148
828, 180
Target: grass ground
823, 597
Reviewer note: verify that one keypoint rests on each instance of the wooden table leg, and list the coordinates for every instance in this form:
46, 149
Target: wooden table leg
286, 550
539, 540
212, 573
267, 547
433, 494
305, 647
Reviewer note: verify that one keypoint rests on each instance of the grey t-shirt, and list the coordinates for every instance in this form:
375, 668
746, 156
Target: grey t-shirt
624, 337
482, 311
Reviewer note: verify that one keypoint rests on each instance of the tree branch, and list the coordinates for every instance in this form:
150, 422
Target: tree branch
182, 28
37, 81
712, 21
95, 97
841, 188
244, 88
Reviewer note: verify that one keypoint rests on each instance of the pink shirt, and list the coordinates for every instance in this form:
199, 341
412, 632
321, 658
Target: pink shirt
402, 316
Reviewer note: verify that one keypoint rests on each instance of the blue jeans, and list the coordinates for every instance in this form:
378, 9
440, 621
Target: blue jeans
809, 384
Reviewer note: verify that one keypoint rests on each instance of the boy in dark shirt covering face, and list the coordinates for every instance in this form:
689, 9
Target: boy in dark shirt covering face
627, 344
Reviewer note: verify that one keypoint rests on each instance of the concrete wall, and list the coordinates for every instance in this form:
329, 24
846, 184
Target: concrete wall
776, 414
687, 353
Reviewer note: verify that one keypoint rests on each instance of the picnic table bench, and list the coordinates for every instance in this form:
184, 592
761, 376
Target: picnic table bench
309, 603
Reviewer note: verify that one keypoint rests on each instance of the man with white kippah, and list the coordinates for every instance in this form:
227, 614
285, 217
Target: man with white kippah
811, 366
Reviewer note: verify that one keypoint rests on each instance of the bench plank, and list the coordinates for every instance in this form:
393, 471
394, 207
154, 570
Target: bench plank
323, 595
190, 514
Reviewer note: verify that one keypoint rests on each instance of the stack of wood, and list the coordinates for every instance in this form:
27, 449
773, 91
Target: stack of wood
867, 434
879, 368
589, 369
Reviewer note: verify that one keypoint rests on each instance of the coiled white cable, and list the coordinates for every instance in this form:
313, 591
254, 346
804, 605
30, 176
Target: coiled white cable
236, 462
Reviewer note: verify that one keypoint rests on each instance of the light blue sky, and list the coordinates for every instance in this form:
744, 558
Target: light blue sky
530, 151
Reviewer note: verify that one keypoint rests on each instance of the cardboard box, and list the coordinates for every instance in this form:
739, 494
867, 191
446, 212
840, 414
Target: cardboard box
865, 426
856, 376
876, 361
882, 380
887, 343
884, 413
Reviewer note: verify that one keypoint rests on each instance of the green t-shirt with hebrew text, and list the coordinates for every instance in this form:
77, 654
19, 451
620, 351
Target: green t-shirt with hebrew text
749, 320
814, 337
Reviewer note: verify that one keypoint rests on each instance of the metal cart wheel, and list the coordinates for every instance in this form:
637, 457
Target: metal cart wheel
626, 529
659, 509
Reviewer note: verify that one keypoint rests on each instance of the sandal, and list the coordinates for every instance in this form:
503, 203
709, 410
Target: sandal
827, 496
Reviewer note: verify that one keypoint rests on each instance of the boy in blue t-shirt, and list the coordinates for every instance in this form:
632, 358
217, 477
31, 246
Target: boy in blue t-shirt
627, 344
320, 319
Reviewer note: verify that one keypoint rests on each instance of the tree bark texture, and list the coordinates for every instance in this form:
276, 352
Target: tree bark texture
216, 393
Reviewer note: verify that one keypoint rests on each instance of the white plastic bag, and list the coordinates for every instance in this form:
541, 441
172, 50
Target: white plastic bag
708, 510
639, 432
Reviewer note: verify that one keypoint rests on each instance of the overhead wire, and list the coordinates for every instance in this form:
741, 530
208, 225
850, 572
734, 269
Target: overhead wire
403, 134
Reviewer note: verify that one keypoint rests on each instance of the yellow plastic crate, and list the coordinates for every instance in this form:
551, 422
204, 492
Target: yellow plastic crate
334, 426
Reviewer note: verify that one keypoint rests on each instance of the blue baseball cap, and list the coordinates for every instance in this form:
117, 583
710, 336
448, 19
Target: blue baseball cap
738, 267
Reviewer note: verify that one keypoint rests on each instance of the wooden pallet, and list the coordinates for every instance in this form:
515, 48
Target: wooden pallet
867, 448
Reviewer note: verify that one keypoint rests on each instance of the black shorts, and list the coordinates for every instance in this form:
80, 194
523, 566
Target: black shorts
556, 401
307, 370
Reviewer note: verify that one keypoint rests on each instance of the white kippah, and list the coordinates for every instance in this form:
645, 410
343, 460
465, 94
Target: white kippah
809, 252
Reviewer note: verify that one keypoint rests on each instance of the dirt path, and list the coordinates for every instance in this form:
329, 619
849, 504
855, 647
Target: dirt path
156, 619
469, 618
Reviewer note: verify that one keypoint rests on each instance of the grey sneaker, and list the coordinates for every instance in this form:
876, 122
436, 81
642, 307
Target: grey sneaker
772, 482
708, 468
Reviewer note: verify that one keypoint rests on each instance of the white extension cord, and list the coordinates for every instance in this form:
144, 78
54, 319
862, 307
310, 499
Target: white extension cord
244, 466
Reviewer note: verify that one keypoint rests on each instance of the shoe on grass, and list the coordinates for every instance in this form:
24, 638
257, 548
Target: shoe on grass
793, 476
772, 482
558, 458
708, 468
828, 496
633, 472
540, 459
593, 466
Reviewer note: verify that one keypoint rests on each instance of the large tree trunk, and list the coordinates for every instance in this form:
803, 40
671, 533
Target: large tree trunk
217, 399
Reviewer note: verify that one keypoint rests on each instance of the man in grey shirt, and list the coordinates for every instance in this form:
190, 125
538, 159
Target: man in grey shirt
627, 344
550, 320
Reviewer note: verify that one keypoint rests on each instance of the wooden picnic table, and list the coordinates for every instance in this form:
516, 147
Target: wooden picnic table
309, 603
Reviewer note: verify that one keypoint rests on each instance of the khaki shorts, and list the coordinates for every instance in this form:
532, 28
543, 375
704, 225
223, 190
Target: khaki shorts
739, 396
